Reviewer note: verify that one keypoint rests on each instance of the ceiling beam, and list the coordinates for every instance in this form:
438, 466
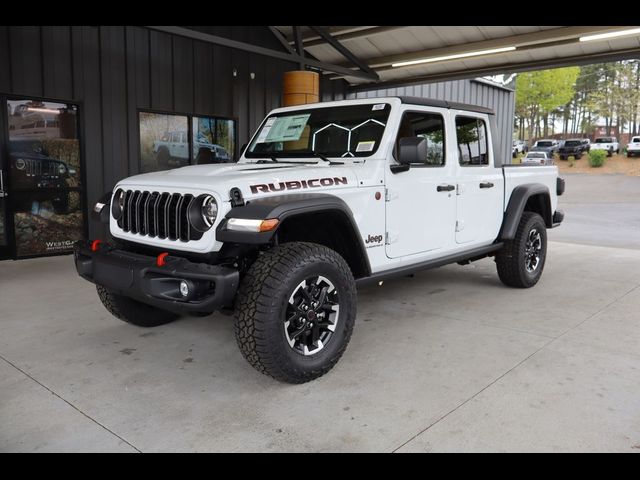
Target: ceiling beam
526, 39
367, 32
297, 35
344, 51
586, 59
283, 41
268, 52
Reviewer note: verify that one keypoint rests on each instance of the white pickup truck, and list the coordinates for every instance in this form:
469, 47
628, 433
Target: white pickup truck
325, 197
608, 144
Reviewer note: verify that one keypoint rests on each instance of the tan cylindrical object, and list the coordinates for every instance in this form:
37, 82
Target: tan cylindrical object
300, 87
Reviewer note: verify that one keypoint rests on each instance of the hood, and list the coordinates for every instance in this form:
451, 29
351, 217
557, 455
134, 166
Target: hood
252, 179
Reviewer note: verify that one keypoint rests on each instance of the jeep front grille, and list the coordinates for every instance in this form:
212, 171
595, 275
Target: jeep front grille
158, 215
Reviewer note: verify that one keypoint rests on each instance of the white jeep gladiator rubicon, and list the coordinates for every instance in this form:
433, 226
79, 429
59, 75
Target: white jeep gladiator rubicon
325, 197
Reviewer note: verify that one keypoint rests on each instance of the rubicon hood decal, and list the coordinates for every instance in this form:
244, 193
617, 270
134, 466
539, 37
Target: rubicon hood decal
298, 184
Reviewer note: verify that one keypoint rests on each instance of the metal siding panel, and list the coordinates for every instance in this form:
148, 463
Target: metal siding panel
240, 88
161, 70
222, 70
114, 105
137, 90
5, 60
26, 60
56, 62
257, 87
204, 81
86, 87
182, 74
138, 74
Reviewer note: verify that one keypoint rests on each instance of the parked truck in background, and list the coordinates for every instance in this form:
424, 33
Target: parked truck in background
608, 144
325, 197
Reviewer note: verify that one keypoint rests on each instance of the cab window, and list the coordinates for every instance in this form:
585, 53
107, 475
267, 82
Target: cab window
473, 148
429, 126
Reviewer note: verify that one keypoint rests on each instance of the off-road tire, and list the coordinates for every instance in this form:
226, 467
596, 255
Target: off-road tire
61, 205
510, 260
163, 158
562, 157
578, 157
610, 153
261, 305
132, 311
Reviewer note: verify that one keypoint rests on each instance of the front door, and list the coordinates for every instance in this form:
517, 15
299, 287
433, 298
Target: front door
43, 196
421, 202
480, 186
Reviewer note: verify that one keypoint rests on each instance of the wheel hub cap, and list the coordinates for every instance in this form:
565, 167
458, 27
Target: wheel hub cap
533, 246
312, 315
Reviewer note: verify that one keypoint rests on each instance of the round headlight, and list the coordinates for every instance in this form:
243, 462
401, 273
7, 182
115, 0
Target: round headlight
209, 210
117, 205
203, 213
20, 164
62, 169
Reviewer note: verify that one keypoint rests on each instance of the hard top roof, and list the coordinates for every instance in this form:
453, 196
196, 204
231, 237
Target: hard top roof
432, 102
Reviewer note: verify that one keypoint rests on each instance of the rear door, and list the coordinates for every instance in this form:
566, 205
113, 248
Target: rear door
480, 185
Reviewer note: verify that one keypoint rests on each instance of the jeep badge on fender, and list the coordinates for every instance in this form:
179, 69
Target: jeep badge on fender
281, 237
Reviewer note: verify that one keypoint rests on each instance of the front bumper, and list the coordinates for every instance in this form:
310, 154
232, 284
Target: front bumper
211, 287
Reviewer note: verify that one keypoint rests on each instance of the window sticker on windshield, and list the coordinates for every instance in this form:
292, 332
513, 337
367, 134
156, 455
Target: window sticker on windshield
265, 130
365, 146
286, 129
378, 106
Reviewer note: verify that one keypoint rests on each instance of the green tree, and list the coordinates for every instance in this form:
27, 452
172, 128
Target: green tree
539, 93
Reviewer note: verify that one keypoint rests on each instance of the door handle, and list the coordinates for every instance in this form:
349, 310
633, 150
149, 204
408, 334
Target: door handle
486, 185
2, 192
446, 188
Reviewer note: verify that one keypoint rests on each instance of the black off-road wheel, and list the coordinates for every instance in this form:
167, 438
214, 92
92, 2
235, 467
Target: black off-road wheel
163, 158
132, 311
61, 205
295, 311
521, 260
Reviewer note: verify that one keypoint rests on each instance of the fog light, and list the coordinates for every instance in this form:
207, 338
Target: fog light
184, 288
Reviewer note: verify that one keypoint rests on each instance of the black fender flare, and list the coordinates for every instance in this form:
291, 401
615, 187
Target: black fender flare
519, 197
280, 207
283, 207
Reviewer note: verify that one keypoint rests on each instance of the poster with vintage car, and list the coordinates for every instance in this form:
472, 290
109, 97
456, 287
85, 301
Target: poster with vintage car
45, 174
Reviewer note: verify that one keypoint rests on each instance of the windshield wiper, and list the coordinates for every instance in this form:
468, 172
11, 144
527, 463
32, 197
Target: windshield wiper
324, 157
272, 157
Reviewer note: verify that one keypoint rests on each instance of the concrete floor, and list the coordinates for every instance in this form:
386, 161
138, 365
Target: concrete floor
600, 210
449, 360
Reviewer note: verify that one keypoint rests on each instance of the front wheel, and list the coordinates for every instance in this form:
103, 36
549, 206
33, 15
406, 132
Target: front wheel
521, 260
132, 311
295, 311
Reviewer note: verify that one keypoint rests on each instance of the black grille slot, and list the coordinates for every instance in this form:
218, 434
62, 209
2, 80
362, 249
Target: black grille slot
158, 215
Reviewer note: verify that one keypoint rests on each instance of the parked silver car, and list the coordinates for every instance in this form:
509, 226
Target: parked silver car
537, 158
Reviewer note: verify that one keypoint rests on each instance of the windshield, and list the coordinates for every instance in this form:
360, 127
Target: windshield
604, 140
349, 131
544, 144
635, 140
572, 143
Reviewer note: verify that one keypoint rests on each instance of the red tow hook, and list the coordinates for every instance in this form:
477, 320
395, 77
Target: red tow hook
95, 245
160, 261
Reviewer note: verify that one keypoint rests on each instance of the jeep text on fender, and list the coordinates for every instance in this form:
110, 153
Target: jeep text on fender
283, 237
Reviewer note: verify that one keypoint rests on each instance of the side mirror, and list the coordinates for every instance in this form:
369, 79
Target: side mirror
412, 150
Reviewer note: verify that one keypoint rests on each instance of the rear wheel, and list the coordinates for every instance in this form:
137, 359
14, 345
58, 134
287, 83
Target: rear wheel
521, 260
132, 311
295, 311
578, 156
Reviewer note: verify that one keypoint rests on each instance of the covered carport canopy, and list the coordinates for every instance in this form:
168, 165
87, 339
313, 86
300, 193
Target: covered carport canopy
377, 56
394, 55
